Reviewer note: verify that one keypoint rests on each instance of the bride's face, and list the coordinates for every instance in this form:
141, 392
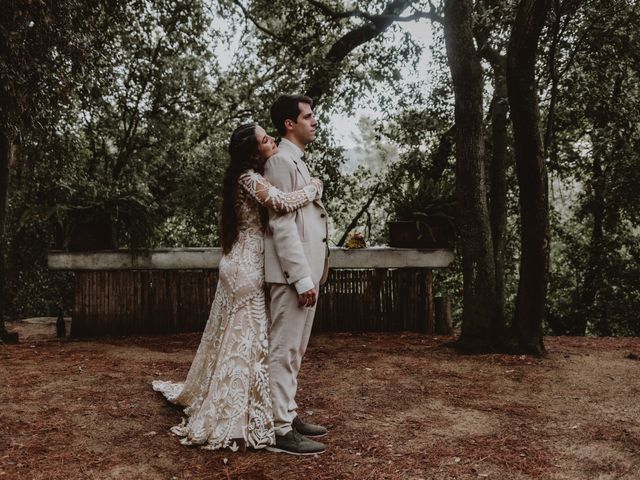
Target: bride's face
266, 144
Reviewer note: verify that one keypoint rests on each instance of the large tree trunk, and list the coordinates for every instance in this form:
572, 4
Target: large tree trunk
498, 177
531, 172
5, 159
481, 328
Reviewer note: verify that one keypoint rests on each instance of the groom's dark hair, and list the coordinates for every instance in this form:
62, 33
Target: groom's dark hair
287, 107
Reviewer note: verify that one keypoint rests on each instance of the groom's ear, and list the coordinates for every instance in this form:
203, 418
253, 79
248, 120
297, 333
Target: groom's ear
288, 124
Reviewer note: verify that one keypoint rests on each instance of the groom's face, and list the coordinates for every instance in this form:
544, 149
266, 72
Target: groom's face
304, 129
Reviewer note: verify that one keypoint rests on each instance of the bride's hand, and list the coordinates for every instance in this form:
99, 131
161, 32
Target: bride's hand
318, 184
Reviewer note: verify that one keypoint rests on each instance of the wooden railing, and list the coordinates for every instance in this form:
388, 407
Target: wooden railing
169, 291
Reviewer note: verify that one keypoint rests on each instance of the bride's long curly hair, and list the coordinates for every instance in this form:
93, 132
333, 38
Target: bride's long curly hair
243, 149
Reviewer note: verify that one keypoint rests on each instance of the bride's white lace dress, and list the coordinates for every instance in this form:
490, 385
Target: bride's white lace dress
226, 394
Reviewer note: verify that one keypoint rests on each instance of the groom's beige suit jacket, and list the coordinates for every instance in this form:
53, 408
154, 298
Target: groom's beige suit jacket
295, 243
295, 256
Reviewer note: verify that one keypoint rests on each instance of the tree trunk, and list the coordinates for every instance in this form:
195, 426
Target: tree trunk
594, 301
481, 328
5, 158
498, 177
592, 311
531, 172
443, 317
552, 66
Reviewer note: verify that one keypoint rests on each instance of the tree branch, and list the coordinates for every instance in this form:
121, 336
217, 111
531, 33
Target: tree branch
375, 18
552, 66
263, 29
492, 55
337, 15
321, 79
430, 15
131, 129
441, 154
354, 222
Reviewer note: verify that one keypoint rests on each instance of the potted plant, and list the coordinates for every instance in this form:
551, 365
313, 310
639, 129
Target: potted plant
423, 217
93, 219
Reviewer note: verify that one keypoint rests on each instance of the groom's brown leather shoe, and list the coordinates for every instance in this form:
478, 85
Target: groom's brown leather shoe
295, 444
308, 429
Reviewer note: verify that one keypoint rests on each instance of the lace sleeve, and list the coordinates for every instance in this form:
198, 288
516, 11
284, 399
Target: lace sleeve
270, 197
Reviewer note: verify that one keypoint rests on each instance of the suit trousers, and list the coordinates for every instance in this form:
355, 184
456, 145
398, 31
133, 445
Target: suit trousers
288, 338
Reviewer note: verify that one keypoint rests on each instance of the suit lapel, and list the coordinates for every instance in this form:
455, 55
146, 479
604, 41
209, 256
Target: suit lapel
304, 171
299, 163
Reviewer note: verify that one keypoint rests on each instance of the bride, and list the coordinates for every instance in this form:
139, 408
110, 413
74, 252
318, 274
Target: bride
226, 395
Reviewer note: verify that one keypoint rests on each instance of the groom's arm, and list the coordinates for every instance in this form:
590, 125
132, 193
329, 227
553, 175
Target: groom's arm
281, 173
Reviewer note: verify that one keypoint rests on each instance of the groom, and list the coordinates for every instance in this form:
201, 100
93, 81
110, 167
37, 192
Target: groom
296, 264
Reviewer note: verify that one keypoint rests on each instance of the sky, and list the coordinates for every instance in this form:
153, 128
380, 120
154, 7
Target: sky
345, 126
421, 32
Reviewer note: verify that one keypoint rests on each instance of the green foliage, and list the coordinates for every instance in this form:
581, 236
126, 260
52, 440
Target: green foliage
121, 113
595, 283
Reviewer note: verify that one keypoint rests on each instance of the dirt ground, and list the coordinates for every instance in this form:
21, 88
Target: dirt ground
398, 406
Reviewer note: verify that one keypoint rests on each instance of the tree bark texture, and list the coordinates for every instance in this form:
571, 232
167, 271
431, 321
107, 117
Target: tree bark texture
443, 317
5, 155
498, 177
531, 172
479, 317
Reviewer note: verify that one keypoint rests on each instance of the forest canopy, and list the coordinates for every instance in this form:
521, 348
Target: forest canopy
522, 127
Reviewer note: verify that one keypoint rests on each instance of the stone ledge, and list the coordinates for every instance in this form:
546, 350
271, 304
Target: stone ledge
209, 258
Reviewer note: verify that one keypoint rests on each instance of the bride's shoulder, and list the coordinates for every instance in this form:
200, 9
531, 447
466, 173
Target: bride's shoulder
250, 176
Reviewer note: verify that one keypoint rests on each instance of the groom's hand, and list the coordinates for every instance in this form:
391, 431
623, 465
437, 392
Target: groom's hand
307, 299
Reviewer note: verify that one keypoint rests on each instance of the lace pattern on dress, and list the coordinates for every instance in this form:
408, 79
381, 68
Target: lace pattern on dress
226, 394
271, 197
